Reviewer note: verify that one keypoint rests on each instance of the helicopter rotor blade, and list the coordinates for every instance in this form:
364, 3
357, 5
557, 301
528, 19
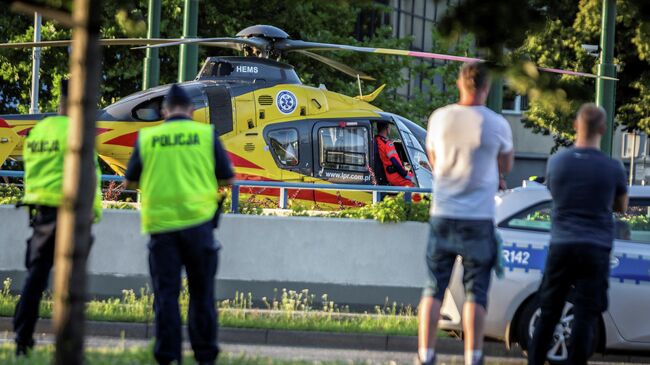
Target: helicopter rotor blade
253, 42
338, 66
103, 42
289, 45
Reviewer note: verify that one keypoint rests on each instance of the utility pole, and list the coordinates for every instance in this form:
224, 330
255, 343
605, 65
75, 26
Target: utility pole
606, 89
189, 53
36, 65
151, 74
79, 186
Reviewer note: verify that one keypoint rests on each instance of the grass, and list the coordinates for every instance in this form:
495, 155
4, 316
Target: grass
42, 355
288, 310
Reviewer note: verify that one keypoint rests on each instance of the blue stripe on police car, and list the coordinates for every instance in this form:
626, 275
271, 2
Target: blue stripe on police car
528, 258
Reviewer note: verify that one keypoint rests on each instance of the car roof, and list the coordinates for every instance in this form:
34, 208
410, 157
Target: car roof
531, 193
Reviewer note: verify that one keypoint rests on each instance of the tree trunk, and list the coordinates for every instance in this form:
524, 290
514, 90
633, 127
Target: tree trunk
75, 214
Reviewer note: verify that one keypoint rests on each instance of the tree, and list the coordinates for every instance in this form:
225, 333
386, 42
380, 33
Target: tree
554, 40
79, 187
559, 45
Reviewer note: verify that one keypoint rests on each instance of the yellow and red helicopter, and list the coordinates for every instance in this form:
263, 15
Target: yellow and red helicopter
274, 127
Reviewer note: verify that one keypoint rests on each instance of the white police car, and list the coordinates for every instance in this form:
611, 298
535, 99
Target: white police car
523, 220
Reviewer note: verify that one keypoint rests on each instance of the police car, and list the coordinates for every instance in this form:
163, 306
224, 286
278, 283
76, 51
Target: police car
523, 220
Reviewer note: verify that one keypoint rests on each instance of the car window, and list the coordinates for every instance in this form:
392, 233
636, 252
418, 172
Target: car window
284, 144
536, 218
634, 225
344, 148
149, 111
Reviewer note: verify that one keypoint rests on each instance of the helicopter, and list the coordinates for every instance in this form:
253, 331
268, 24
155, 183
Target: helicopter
274, 127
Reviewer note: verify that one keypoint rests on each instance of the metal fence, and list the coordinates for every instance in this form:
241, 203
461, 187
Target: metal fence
284, 188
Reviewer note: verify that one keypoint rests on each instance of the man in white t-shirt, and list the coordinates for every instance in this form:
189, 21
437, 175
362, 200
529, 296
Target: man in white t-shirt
469, 146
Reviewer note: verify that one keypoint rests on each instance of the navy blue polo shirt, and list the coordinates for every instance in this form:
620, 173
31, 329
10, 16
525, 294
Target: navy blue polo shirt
222, 165
584, 183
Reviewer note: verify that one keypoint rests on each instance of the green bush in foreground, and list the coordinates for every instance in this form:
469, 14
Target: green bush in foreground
10, 194
288, 310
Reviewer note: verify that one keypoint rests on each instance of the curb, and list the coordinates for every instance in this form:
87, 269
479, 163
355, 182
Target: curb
272, 337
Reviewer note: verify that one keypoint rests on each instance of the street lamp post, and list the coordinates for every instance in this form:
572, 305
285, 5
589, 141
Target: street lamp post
606, 89
36, 65
151, 74
187, 67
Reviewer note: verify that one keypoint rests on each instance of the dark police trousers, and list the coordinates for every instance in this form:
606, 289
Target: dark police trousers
196, 250
39, 259
584, 267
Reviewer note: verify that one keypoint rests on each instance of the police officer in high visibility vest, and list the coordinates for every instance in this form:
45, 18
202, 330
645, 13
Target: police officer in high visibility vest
43, 153
396, 174
179, 166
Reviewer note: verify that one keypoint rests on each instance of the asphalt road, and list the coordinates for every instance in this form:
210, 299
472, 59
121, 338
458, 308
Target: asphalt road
316, 355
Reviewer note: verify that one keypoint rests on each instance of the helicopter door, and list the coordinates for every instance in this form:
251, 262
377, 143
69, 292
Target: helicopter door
220, 104
8, 140
342, 151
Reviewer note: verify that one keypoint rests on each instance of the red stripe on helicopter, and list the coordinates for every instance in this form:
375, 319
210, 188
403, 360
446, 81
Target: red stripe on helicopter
25, 131
302, 194
4, 124
126, 140
99, 131
239, 161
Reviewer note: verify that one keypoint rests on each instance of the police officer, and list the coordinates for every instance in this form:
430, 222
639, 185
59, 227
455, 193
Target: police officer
396, 174
179, 166
43, 152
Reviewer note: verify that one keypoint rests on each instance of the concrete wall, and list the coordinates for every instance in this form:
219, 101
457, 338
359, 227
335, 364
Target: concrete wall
353, 261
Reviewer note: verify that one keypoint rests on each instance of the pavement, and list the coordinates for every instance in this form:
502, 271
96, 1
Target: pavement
300, 345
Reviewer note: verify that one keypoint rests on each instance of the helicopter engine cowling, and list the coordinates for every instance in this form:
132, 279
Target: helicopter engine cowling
248, 70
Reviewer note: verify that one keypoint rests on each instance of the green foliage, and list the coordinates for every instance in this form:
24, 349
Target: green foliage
554, 100
10, 194
287, 310
391, 209
478, 17
636, 222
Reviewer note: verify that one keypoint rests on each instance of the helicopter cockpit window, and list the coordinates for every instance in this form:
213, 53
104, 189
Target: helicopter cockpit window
344, 148
284, 144
149, 111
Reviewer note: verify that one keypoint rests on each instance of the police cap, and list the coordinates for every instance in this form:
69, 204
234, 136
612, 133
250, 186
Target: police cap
176, 96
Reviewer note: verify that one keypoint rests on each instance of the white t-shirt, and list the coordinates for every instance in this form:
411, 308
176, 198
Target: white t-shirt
466, 141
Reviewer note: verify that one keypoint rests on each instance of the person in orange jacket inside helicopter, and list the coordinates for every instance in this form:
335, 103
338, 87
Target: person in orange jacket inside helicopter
395, 172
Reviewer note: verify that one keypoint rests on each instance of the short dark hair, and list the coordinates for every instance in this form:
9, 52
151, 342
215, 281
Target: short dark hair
176, 97
382, 126
474, 76
590, 119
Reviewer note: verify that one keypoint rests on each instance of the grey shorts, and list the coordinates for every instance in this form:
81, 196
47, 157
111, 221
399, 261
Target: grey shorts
475, 242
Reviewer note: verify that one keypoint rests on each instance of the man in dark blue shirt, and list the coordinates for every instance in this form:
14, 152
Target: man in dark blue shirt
586, 186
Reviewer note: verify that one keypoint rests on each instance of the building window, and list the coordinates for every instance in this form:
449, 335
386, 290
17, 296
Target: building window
284, 143
344, 148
